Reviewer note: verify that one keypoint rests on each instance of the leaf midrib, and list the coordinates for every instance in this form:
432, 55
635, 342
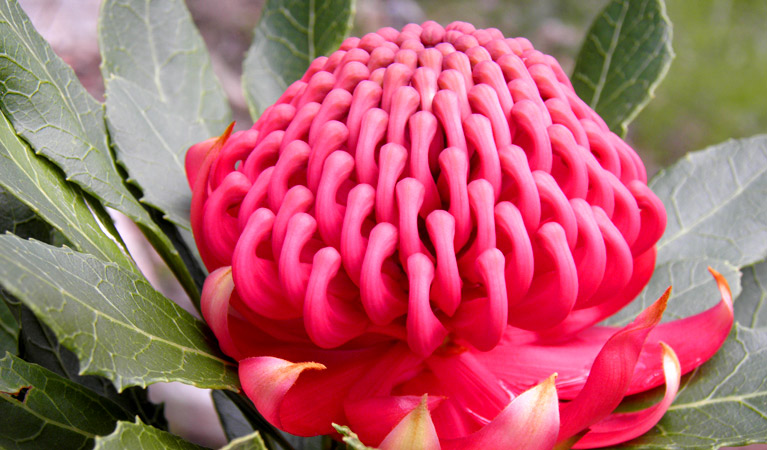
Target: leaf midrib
608, 57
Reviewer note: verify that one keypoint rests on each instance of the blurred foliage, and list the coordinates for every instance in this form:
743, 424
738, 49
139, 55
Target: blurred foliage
717, 85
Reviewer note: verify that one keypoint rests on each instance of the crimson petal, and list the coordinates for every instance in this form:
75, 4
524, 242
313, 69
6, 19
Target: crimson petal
695, 339
621, 427
414, 432
611, 373
529, 422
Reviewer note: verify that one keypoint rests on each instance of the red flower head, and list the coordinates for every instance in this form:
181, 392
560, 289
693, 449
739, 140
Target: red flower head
420, 233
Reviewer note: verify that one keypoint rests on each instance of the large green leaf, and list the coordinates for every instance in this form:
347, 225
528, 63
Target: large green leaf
51, 110
251, 441
715, 203
40, 187
624, 57
20, 331
39, 409
137, 435
723, 403
39, 345
750, 307
112, 319
289, 35
161, 96
19, 219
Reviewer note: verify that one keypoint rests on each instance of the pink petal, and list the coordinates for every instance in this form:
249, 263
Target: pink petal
610, 375
214, 305
463, 379
220, 230
621, 427
375, 417
694, 338
266, 380
199, 182
414, 432
197, 155
529, 422
195, 158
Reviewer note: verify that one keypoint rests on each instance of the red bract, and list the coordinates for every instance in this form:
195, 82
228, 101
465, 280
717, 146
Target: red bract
420, 233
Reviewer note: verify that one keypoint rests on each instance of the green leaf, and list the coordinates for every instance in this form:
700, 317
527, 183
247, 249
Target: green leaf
350, 438
19, 219
233, 421
51, 110
40, 188
112, 319
251, 441
9, 325
161, 97
304, 443
289, 36
137, 435
750, 308
239, 417
38, 345
715, 203
625, 55
40, 409
693, 289
723, 403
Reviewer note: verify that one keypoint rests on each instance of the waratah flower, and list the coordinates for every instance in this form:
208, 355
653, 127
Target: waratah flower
418, 240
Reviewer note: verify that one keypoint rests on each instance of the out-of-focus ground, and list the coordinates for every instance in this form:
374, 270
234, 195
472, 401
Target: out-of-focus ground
715, 90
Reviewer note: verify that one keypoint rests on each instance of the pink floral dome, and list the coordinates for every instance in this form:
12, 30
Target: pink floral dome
424, 228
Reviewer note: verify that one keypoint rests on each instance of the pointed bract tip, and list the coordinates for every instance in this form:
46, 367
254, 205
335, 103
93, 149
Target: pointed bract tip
670, 361
548, 384
214, 307
414, 432
654, 313
266, 380
225, 135
724, 287
198, 153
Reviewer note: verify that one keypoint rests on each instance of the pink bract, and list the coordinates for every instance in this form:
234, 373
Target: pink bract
418, 239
